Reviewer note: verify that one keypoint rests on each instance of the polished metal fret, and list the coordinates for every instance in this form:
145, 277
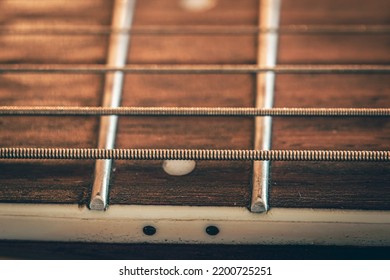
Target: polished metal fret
265, 82
117, 55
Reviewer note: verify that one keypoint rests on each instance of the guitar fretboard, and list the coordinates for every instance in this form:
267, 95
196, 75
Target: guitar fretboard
349, 40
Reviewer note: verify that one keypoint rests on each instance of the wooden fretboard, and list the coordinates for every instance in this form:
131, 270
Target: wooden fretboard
46, 202
341, 185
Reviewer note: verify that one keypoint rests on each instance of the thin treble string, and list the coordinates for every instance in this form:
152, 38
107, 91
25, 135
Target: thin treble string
198, 68
193, 30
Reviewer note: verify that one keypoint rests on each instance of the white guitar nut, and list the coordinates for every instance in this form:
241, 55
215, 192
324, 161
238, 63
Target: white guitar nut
198, 5
178, 167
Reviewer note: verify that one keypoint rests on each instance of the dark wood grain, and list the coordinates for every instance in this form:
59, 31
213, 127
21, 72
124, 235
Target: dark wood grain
170, 12
212, 183
332, 185
50, 181
54, 48
335, 12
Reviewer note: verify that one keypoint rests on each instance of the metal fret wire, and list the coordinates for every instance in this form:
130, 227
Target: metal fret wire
191, 111
193, 30
192, 154
198, 69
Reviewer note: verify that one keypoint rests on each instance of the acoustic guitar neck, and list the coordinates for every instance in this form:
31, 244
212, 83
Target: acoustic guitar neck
178, 121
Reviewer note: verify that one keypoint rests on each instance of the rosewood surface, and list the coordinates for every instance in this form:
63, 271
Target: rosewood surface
314, 184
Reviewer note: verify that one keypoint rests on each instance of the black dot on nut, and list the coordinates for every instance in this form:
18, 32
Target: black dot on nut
212, 230
149, 230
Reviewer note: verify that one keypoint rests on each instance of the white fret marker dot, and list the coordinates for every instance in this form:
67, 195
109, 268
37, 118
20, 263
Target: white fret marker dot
198, 5
178, 167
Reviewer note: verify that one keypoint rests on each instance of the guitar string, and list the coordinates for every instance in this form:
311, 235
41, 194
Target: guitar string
192, 111
193, 154
193, 30
203, 154
198, 68
211, 154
